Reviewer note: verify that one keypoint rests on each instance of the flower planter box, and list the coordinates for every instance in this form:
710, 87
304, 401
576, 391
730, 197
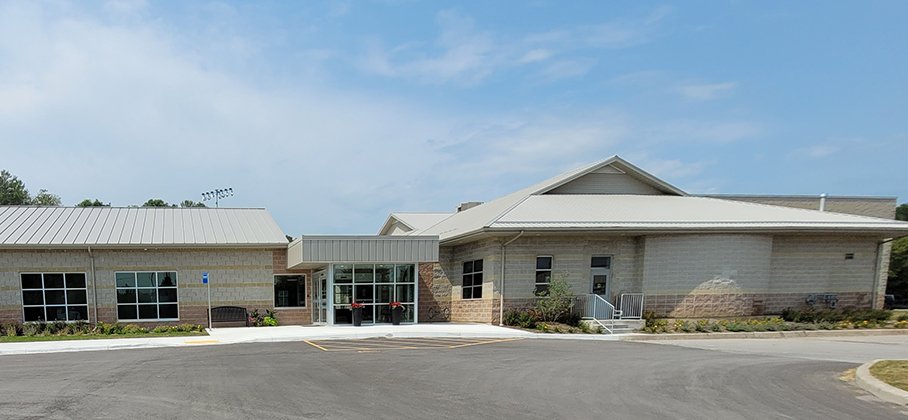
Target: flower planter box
357, 317
396, 315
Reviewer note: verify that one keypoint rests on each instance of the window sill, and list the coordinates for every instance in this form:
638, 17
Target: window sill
284, 308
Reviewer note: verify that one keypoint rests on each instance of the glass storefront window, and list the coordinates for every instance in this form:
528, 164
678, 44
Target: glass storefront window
375, 286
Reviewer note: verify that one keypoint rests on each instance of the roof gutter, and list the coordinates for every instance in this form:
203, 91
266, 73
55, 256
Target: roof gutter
501, 281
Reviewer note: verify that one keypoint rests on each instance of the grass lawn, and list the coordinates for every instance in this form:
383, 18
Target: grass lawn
893, 372
22, 338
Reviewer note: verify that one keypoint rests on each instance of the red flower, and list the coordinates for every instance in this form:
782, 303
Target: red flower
355, 305
395, 305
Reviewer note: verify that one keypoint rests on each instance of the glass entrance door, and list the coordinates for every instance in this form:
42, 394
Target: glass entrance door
600, 285
320, 298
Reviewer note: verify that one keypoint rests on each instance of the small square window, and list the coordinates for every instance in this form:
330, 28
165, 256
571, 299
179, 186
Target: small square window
601, 262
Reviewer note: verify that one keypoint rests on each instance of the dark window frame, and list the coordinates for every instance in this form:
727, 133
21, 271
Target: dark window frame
66, 289
471, 287
301, 283
543, 286
141, 307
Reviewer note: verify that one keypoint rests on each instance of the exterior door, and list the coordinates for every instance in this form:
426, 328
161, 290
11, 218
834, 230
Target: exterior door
600, 285
320, 298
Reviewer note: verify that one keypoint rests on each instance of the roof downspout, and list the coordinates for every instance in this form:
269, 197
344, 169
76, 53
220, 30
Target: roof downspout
94, 284
501, 278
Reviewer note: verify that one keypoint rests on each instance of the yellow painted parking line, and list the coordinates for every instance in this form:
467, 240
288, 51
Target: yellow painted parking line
444, 341
373, 345
501, 340
201, 341
315, 345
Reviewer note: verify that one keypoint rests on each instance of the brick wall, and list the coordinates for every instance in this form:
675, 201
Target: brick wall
706, 264
434, 293
294, 316
739, 277
681, 275
238, 277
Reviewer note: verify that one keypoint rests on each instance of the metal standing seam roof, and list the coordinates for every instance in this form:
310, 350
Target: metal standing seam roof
49, 227
531, 208
659, 211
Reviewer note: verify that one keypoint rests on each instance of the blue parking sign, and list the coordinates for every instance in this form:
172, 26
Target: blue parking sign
205, 278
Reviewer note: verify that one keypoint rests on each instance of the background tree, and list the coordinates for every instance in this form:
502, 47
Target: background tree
898, 264
89, 203
12, 190
157, 202
44, 198
190, 203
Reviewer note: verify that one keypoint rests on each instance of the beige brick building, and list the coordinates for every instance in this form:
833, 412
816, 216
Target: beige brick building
613, 230
623, 239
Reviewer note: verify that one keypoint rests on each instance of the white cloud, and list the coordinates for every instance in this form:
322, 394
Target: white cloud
816, 151
465, 54
565, 69
706, 91
689, 130
123, 113
534, 55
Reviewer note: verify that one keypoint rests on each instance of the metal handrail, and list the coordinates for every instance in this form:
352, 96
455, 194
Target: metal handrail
595, 307
631, 305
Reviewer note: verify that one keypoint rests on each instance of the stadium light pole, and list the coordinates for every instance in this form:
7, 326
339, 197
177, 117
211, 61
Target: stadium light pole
217, 195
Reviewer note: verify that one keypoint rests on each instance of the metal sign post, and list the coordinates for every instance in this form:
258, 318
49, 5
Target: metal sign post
205, 281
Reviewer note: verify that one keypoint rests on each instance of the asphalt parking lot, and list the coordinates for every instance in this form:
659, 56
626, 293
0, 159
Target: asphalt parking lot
529, 378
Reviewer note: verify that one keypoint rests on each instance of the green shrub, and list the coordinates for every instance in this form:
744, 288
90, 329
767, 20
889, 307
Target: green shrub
109, 329
649, 319
133, 329
902, 317
188, 328
269, 321
836, 315
523, 318
161, 329
32, 329
571, 319
54, 328
11, 329
557, 301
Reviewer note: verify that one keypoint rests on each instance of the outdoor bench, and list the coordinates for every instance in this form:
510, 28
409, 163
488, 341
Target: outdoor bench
229, 316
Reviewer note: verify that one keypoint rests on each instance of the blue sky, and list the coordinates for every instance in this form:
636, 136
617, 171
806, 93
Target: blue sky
333, 114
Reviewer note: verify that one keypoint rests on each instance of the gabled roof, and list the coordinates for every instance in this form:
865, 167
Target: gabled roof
474, 219
70, 227
540, 207
412, 221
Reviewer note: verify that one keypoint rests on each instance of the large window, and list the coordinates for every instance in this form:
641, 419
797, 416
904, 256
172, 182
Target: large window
374, 285
543, 274
472, 280
54, 297
147, 296
289, 291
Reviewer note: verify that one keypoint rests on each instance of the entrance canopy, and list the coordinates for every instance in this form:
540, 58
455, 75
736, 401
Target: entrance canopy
314, 251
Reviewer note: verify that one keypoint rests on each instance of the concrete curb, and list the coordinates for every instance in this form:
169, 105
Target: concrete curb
880, 389
763, 334
65, 346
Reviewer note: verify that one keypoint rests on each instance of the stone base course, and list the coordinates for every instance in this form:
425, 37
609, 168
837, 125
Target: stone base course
743, 304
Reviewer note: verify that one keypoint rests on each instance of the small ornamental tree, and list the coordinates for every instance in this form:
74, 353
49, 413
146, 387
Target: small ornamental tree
556, 302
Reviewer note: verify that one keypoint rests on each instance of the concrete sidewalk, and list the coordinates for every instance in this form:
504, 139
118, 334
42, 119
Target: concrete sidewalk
300, 333
219, 336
